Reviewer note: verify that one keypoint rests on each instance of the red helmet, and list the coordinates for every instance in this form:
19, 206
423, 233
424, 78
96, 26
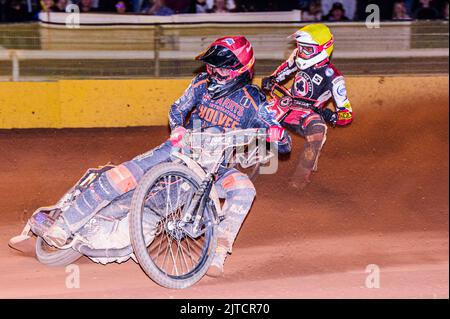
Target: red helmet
229, 64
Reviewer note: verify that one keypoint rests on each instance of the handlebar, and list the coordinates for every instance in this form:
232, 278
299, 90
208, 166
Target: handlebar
281, 93
214, 147
287, 100
227, 139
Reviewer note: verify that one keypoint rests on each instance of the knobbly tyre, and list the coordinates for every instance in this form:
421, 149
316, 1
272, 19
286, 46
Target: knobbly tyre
168, 223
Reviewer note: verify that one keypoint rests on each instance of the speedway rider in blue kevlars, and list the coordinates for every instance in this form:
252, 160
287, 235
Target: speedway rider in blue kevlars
222, 97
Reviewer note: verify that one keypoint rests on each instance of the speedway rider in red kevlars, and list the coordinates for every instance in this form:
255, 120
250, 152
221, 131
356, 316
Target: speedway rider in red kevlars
316, 81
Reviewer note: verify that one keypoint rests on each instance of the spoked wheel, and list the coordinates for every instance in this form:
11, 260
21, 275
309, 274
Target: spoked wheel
52, 256
160, 239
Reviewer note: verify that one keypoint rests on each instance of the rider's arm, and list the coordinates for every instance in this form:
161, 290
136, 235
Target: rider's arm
276, 133
343, 108
286, 69
181, 108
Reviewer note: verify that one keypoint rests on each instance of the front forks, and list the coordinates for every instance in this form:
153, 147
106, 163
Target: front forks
191, 221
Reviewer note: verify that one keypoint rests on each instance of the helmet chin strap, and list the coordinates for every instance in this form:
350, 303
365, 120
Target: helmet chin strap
303, 64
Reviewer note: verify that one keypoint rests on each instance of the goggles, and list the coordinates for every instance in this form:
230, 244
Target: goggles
220, 74
307, 51
224, 74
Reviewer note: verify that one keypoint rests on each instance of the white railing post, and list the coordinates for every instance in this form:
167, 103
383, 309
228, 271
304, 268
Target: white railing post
15, 66
157, 42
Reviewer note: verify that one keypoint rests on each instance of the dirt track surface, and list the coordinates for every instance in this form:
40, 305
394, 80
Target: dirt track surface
379, 197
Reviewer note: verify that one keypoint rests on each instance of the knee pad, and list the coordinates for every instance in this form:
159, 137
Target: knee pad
238, 181
316, 132
310, 120
121, 179
238, 188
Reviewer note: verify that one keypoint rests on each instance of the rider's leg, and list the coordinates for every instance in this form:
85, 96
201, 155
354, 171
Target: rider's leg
239, 192
314, 129
104, 190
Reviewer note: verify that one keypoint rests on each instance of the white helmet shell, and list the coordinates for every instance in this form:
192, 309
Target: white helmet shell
306, 38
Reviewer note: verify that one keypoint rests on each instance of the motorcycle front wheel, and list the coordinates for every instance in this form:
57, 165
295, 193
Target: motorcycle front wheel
161, 244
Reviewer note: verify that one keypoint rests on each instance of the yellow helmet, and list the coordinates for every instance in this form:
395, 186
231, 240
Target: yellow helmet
315, 43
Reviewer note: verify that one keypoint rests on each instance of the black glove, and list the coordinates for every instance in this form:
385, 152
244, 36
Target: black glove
329, 116
268, 83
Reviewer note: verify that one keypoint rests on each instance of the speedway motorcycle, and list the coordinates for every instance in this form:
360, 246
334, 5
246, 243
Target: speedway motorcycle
168, 224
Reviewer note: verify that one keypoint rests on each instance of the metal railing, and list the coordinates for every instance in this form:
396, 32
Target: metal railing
35, 52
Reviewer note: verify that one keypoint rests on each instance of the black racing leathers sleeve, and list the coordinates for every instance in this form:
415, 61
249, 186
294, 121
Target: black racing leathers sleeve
181, 108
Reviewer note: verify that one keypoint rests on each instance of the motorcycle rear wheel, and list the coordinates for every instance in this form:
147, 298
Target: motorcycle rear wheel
52, 256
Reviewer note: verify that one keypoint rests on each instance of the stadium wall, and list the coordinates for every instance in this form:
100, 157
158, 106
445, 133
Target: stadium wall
121, 103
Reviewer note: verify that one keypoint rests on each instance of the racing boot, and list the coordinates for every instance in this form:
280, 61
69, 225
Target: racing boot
216, 268
54, 232
306, 165
301, 178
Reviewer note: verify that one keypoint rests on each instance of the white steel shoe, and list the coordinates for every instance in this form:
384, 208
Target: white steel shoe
216, 268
